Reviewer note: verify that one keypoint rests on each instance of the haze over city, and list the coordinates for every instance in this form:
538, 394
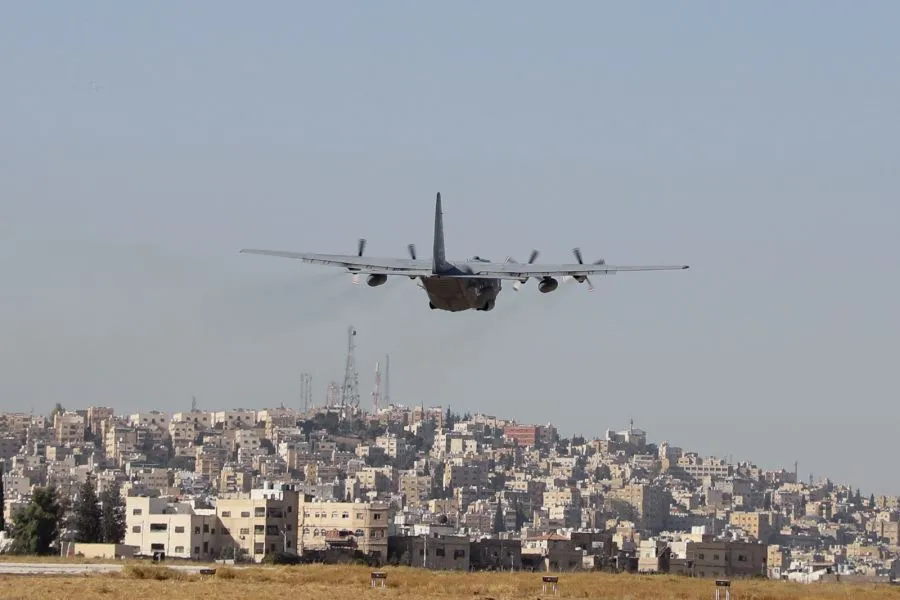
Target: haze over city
143, 146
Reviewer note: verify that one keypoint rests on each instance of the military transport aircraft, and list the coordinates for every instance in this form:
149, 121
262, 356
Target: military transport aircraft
461, 285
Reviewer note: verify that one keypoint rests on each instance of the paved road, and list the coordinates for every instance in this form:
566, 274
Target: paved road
14, 568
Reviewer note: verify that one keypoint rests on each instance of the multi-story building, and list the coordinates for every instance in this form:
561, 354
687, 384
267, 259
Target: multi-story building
176, 529
323, 524
261, 522
68, 428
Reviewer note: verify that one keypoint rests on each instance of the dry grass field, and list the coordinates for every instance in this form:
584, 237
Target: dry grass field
333, 582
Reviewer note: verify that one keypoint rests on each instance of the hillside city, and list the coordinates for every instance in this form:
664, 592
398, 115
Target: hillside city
430, 488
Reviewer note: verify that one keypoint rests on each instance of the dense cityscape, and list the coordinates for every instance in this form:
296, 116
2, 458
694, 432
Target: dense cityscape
421, 486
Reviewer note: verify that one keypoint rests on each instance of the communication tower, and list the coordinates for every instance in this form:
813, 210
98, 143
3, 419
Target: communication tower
386, 393
305, 390
376, 392
350, 390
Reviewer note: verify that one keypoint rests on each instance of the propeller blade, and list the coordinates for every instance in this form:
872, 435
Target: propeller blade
412, 251
577, 253
587, 280
362, 246
534, 255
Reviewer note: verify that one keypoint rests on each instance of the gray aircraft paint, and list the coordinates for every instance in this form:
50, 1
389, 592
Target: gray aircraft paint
459, 285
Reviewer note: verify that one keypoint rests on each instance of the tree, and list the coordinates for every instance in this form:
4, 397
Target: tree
499, 524
87, 515
36, 526
2, 503
112, 516
872, 500
857, 501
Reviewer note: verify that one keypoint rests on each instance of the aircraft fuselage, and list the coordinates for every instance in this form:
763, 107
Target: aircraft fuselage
454, 293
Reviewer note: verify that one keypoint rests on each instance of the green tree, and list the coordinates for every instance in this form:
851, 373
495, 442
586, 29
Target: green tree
872, 500
112, 516
36, 527
2, 502
87, 515
499, 523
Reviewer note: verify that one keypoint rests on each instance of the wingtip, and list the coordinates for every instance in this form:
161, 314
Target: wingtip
686, 267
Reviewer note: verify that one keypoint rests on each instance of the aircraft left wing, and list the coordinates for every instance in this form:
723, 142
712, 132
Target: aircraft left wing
356, 264
520, 271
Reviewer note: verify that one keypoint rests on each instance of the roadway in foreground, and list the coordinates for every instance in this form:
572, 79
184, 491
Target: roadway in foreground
25, 568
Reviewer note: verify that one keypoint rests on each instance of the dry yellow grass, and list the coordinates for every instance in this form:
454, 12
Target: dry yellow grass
330, 582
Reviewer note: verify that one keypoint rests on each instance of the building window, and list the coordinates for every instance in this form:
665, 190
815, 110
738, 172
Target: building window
158, 526
259, 548
259, 529
179, 549
137, 511
136, 529
179, 529
245, 531
226, 513
245, 514
260, 511
206, 528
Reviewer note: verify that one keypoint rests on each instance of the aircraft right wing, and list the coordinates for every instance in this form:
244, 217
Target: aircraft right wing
512, 270
355, 264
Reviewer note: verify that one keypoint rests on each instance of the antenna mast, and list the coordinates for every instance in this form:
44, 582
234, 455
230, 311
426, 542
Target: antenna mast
376, 392
305, 390
350, 391
386, 394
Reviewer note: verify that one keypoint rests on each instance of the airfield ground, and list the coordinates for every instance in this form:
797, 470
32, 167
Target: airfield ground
139, 581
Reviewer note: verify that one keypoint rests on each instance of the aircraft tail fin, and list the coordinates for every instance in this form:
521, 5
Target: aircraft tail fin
439, 260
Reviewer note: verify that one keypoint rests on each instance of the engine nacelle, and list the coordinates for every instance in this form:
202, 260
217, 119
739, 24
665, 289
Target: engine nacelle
547, 284
376, 279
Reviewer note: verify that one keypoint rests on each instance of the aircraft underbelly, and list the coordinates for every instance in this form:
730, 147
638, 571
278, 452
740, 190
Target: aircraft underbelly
447, 293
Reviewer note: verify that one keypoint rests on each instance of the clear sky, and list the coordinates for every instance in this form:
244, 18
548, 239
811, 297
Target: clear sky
143, 144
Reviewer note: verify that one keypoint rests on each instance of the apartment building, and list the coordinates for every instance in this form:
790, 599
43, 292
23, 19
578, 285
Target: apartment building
650, 503
756, 524
725, 559
176, 529
326, 524
263, 521
68, 428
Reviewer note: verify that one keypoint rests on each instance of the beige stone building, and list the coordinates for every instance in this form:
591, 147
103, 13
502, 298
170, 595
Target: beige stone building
325, 524
68, 428
176, 529
261, 522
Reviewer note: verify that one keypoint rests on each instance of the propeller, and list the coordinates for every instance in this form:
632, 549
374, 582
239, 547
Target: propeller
518, 284
412, 251
584, 278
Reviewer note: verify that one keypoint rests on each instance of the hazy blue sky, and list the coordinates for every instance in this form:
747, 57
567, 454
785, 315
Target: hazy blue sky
757, 142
